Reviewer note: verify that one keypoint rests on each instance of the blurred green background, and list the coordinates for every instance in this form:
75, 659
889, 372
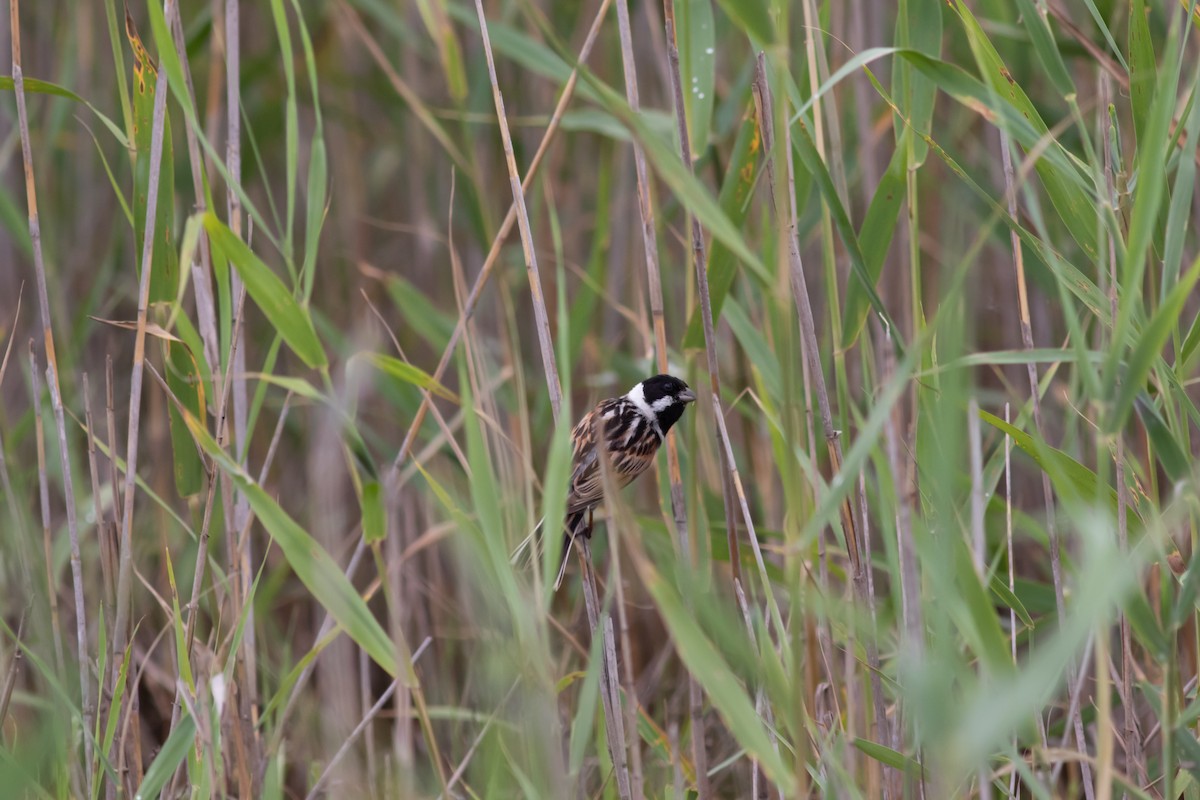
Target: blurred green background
335, 391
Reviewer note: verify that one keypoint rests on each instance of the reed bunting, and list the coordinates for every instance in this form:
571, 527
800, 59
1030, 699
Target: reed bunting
631, 428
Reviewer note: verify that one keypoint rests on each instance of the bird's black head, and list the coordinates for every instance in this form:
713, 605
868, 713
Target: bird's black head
665, 396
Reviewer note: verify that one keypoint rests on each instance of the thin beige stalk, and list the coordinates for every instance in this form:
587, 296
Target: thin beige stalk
808, 331
493, 255
479, 737
14, 669
193, 605
125, 570
653, 274
610, 695
627, 678
238, 555
1130, 735
19, 528
52, 379
540, 317
975, 452
1104, 720
361, 727
110, 419
106, 561
1012, 582
44, 497
787, 222
700, 263
978, 556
1047, 491
654, 284
206, 315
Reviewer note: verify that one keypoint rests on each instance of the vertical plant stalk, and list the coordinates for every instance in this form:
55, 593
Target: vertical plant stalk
1130, 735
602, 627
233, 165
541, 318
237, 548
658, 317
193, 605
106, 555
978, 543
206, 315
125, 569
35, 236
493, 254
1076, 720
44, 497
787, 222
906, 550
975, 451
637, 781
610, 693
610, 676
808, 328
700, 263
653, 274
14, 668
1012, 580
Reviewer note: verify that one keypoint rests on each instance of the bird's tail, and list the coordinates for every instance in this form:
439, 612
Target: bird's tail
575, 525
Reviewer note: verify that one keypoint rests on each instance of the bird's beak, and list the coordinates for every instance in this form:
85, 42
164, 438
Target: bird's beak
687, 396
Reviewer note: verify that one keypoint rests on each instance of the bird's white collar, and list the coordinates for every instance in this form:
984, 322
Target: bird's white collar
637, 396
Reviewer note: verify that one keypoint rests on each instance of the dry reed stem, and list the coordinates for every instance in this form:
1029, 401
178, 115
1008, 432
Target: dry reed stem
52, 378
631, 698
787, 222
1012, 583
362, 726
910, 579
106, 562
975, 454
24, 560
483, 730
493, 255
610, 695
206, 315
1104, 721
541, 318
744, 504
193, 604
125, 569
653, 274
14, 668
1130, 735
978, 541
44, 497
1047, 490
700, 263
110, 420
808, 331
654, 285
238, 555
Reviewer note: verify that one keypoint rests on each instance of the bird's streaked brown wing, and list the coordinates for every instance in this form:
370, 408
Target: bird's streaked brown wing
631, 448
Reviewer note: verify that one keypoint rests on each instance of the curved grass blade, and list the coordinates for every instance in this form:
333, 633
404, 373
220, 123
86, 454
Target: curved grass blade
269, 293
312, 564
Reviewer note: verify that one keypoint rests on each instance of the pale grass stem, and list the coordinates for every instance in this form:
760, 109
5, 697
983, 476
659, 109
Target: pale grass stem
52, 377
1026, 325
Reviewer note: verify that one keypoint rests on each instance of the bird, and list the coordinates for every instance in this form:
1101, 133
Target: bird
631, 428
